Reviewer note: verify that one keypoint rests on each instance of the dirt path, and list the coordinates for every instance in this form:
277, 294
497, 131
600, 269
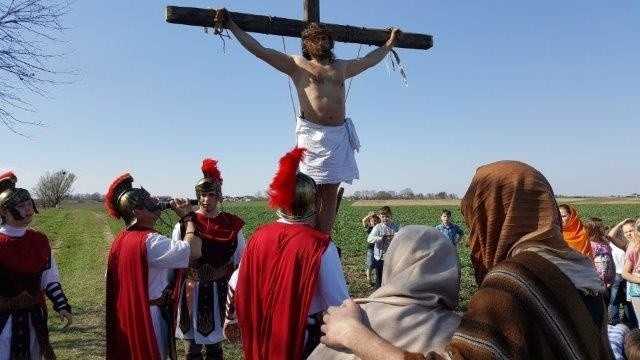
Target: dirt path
106, 231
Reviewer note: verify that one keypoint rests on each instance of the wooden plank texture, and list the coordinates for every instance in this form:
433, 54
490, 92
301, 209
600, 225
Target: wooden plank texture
311, 10
293, 28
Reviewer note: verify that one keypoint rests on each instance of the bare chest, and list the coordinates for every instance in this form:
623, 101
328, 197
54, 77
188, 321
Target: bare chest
322, 76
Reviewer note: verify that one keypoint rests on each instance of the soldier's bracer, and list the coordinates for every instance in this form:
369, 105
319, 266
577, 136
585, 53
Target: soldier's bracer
230, 313
57, 297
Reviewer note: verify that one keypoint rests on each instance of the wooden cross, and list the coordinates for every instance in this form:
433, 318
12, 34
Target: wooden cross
272, 25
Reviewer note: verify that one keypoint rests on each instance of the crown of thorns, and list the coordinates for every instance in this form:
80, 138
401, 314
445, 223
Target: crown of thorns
314, 30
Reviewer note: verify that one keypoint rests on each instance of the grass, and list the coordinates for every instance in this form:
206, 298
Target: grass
80, 236
80, 247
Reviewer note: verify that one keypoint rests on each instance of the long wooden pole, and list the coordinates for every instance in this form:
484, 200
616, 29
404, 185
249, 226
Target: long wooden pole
293, 28
311, 10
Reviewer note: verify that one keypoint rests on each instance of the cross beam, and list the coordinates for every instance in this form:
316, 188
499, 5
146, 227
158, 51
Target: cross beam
272, 25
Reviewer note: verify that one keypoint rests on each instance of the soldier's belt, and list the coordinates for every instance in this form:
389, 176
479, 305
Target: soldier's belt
208, 273
22, 301
164, 298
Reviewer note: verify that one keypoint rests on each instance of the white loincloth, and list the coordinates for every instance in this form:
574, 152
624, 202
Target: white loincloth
330, 157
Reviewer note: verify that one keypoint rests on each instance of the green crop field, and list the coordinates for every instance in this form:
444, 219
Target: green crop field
80, 235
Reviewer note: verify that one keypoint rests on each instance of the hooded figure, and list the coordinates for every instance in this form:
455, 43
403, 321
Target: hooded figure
413, 309
573, 231
537, 297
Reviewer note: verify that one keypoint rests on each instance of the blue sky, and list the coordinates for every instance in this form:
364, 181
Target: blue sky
555, 84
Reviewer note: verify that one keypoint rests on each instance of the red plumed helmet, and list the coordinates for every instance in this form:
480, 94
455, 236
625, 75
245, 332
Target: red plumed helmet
210, 170
8, 181
120, 185
9, 175
292, 192
122, 198
212, 180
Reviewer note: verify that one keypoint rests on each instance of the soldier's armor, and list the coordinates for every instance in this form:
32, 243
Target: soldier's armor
219, 242
22, 299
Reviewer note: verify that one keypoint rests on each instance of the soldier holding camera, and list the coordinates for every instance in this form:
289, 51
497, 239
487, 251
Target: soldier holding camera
139, 273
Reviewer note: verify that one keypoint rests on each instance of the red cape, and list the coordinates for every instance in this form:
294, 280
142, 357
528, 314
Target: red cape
276, 284
130, 333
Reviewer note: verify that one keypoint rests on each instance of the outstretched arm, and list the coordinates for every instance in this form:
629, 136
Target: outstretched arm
343, 330
278, 60
356, 66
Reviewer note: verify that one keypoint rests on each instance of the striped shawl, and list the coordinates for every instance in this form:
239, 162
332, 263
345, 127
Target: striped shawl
527, 309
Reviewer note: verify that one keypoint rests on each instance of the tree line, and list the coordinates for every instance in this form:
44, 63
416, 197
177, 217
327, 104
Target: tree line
54, 187
406, 193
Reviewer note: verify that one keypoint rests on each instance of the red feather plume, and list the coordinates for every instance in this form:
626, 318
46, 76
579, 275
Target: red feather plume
283, 187
8, 181
9, 174
210, 170
109, 198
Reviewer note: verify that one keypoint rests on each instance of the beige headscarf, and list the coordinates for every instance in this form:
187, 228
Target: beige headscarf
510, 207
413, 309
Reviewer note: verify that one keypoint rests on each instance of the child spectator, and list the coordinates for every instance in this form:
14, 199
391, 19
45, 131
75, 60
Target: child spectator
632, 345
620, 235
602, 258
381, 236
369, 221
617, 335
450, 230
631, 269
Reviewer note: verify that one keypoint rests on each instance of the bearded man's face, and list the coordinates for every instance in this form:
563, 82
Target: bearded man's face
320, 47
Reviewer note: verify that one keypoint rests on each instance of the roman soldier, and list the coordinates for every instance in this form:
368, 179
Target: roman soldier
203, 286
289, 274
27, 271
140, 268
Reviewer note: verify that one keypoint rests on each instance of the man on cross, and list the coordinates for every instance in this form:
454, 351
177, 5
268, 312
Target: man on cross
322, 126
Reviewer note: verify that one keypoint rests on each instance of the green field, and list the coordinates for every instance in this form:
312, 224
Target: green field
80, 235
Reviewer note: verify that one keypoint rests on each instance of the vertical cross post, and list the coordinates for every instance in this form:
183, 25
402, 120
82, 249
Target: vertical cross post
311, 10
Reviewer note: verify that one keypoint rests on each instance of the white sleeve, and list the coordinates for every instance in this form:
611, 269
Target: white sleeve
233, 281
166, 253
237, 255
51, 275
332, 285
375, 235
175, 235
230, 314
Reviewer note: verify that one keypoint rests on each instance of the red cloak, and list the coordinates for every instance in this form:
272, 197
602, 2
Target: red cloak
130, 333
276, 284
